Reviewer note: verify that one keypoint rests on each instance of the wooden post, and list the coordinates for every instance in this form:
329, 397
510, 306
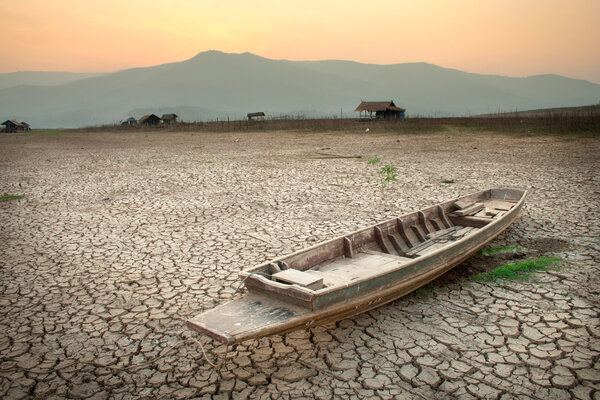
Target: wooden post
380, 242
348, 251
403, 234
423, 221
444, 218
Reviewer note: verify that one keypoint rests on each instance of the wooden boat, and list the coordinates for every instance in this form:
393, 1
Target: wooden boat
362, 270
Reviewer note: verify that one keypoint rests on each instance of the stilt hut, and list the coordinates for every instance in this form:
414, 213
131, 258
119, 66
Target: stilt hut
150, 119
380, 110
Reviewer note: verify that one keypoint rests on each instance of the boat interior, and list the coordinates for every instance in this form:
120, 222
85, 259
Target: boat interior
385, 246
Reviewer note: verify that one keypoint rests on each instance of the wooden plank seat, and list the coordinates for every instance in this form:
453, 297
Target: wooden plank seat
301, 278
470, 210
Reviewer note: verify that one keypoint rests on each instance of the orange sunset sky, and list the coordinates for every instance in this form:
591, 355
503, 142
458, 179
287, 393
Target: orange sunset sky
508, 37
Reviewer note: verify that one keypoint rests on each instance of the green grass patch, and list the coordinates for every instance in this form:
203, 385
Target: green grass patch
8, 197
373, 161
518, 271
44, 132
496, 250
423, 292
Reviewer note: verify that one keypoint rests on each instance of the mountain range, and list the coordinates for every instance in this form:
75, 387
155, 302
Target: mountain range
40, 78
216, 85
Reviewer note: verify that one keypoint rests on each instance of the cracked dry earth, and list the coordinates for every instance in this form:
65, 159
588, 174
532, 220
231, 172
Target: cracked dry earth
122, 236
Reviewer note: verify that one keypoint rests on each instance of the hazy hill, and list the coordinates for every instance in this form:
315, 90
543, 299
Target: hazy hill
546, 112
219, 85
40, 78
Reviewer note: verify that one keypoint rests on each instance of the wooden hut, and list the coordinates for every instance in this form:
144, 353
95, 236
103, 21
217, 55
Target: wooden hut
150, 119
256, 115
12, 125
380, 110
129, 121
169, 118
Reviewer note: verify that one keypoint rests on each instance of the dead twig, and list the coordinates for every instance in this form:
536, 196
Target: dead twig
325, 156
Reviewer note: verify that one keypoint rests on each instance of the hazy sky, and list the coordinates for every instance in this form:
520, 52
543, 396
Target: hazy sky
507, 37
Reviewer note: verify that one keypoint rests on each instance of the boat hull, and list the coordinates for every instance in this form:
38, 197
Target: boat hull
260, 313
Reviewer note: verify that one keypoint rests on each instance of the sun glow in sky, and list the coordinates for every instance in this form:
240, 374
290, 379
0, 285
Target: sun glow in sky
509, 37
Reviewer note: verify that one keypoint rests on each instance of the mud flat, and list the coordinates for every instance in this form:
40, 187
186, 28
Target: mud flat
119, 237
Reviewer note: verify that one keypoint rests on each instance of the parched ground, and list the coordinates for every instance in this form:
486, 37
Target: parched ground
122, 236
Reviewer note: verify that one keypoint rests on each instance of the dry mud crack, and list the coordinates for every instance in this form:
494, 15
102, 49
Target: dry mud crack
122, 236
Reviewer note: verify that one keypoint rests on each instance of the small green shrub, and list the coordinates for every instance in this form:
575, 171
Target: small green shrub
388, 173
